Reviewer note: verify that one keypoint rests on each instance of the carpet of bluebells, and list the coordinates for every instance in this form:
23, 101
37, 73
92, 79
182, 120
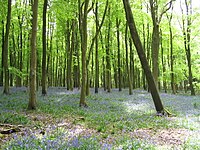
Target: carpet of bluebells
113, 120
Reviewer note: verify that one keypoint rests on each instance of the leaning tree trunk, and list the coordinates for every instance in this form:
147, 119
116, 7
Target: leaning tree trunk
137, 42
5, 49
33, 58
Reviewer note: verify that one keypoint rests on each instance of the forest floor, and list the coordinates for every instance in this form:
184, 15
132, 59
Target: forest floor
113, 120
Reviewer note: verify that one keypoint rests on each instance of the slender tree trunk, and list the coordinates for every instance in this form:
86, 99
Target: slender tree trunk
68, 34
2, 55
143, 60
187, 39
71, 53
127, 66
96, 52
171, 56
155, 39
144, 46
12, 55
163, 64
20, 46
44, 52
119, 56
132, 64
76, 62
33, 58
5, 49
108, 65
156, 18
84, 50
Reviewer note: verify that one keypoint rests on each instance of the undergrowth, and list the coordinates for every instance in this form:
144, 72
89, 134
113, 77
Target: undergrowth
108, 114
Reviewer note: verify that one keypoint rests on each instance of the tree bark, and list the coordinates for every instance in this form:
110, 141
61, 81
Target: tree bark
171, 55
187, 39
108, 65
96, 52
119, 56
137, 42
44, 53
163, 64
127, 66
156, 18
5, 49
2, 55
84, 50
33, 58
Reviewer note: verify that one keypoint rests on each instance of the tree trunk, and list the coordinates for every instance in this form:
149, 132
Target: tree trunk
5, 49
163, 64
96, 52
71, 53
33, 58
127, 67
83, 26
12, 55
132, 64
187, 37
20, 46
44, 52
108, 65
119, 56
171, 56
143, 60
2, 55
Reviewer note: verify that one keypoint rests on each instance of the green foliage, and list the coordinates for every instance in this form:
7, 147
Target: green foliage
13, 118
134, 144
17, 72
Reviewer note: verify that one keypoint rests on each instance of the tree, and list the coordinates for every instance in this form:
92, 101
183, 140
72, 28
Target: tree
156, 18
33, 58
127, 66
96, 51
5, 50
187, 39
108, 62
137, 42
2, 55
83, 26
171, 54
119, 54
44, 86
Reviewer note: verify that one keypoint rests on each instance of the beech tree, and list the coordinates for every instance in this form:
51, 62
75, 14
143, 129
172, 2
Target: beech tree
33, 58
156, 18
137, 42
5, 50
83, 26
44, 86
186, 29
72, 38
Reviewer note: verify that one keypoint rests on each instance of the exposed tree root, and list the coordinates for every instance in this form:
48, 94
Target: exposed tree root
165, 113
83, 105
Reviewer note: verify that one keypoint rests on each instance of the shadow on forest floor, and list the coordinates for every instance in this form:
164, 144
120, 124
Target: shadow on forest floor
113, 120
